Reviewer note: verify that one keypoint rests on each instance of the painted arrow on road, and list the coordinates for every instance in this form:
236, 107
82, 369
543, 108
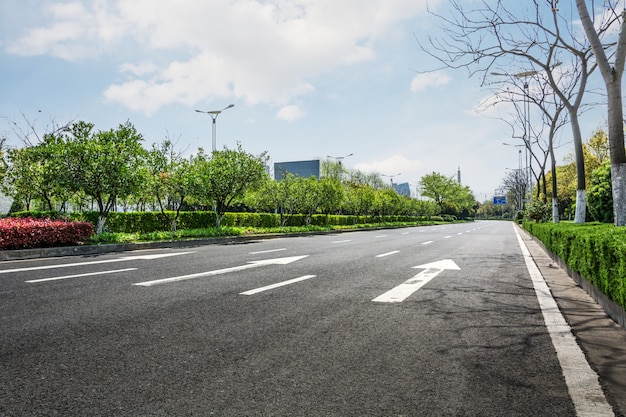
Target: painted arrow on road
404, 290
249, 265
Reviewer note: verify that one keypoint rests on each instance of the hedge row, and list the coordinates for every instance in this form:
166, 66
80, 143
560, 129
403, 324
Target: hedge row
596, 251
148, 222
23, 233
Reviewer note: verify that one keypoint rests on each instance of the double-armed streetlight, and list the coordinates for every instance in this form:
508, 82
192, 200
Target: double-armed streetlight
391, 176
214, 114
338, 159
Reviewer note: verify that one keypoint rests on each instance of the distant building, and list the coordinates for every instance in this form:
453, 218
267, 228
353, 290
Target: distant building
403, 189
303, 169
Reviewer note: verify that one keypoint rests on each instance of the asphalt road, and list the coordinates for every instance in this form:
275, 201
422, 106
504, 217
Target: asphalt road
429, 321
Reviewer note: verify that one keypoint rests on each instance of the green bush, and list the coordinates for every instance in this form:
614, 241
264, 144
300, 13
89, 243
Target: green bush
594, 250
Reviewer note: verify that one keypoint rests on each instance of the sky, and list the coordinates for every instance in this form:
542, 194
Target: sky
308, 79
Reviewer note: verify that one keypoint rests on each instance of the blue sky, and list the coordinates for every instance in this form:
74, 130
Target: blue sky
309, 78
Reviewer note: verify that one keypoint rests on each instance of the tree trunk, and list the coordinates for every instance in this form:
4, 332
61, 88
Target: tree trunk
581, 189
100, 225
617, 152
618, 180
612, 76
555, 200
581, 206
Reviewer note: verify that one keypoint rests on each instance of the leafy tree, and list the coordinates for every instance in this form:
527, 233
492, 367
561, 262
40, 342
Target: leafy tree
387, 202
170, 179
22, 175
308, 197
105, 165
600, 200
358, 199
227, 176
612, 73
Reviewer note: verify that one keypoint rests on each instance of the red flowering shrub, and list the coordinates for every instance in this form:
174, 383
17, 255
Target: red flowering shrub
37, 233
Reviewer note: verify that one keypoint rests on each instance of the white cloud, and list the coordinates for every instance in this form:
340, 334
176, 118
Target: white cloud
408, 169
421, 82
290, 113
258, 51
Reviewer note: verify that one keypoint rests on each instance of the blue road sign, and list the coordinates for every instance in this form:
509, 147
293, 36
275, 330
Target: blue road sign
499, 200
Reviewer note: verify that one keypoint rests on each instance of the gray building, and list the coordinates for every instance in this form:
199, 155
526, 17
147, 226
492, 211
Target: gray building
303, 169
403, 189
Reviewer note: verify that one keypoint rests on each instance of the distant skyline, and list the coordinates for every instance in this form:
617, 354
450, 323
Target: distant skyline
308, 78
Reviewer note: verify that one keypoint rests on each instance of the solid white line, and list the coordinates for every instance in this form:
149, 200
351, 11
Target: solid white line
277, 285
267, 251
105, 261
582, 382
427, 243
32, 281
382, 255
342, 241
198, 275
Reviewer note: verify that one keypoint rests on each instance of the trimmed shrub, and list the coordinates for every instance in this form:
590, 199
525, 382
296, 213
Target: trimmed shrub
596, 251
29, 232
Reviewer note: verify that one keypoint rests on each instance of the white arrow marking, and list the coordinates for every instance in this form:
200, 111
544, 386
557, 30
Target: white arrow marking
106, 261
277, 285
249, 265
404, 290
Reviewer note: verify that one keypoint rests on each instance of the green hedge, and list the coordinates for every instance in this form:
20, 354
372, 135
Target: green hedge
148, 222
597, 251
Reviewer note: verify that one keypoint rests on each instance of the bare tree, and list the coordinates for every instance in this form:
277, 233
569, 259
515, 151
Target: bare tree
532, 37
612, 75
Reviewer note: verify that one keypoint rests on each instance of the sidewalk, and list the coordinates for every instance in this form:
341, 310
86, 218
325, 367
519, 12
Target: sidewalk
602, 340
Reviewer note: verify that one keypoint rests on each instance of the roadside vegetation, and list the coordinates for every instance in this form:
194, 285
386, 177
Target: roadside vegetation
128, 192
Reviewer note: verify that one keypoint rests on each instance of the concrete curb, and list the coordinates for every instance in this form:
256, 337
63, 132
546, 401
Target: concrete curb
22, 254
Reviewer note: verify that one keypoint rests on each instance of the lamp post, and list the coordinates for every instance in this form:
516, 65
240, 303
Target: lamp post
214, 114
391, 176
338, 159
526, 122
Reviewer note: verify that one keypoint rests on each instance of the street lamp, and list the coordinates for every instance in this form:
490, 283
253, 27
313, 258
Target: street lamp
526, 122
338, 159
214, 114
391, 176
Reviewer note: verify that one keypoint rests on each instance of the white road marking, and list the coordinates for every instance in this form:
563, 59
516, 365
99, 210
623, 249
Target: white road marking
106, 261
404, 290
405, 233
89, 274
427, 243
267, 251
249, 265
342, 241
277, 285
379, 236
460, 233
447, 237
582, 382
382, 255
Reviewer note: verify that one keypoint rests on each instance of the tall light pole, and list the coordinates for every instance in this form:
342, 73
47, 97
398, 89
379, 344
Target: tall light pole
338, 159
391, 176
526, 123
214, 114
520, 170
